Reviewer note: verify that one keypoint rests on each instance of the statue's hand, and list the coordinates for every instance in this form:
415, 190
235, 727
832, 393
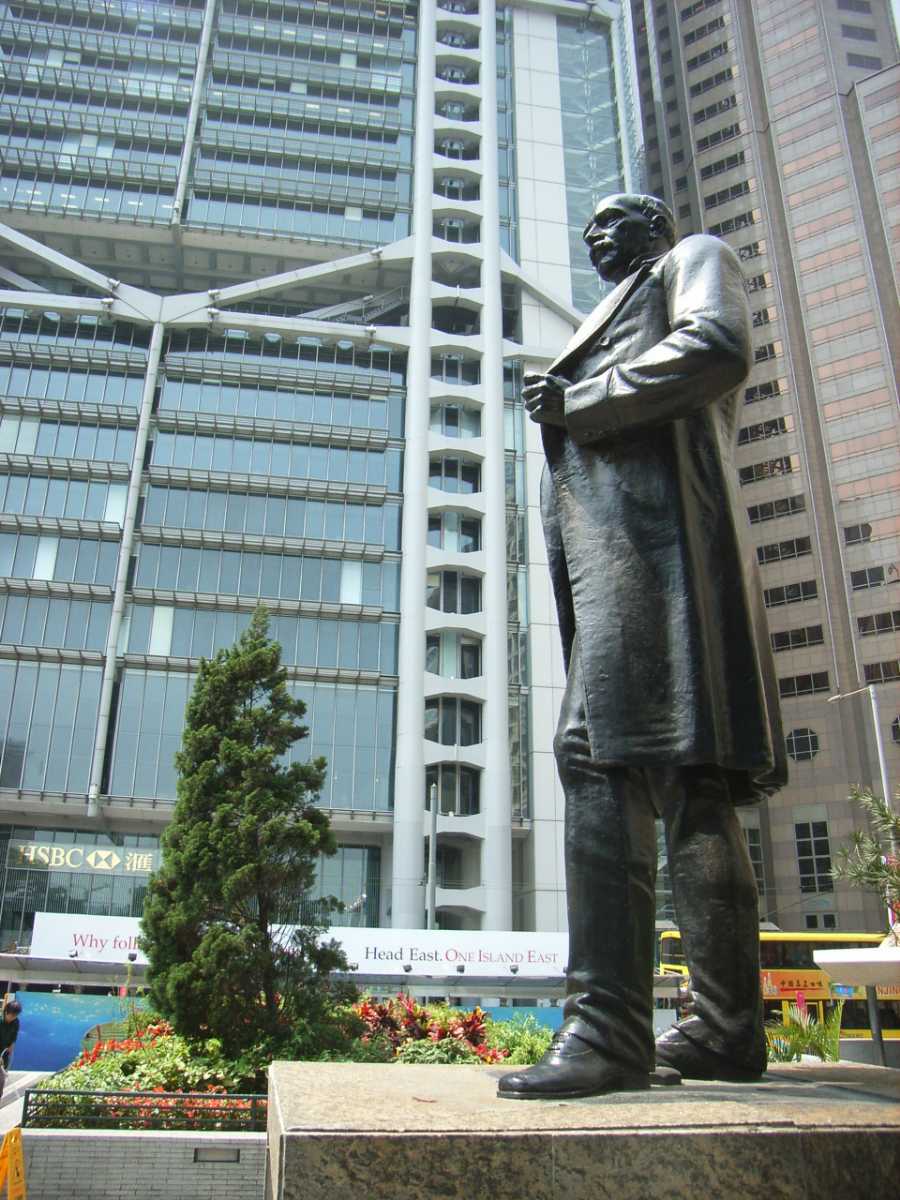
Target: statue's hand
544, 397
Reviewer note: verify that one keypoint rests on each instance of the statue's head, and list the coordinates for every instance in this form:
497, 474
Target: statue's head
626, 228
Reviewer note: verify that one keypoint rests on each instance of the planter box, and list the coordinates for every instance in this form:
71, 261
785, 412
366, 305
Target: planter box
83, 1164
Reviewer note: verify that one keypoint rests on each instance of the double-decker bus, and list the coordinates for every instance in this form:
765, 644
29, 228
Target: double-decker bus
788, 973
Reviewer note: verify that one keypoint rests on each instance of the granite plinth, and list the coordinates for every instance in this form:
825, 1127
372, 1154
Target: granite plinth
342, 1131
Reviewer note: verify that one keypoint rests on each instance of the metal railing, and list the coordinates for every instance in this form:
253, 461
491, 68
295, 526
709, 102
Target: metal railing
52, 1109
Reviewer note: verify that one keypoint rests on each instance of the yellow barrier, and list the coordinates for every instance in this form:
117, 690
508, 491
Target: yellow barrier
12, 1165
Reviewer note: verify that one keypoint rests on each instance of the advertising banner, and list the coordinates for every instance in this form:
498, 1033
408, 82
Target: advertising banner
370, 951
94, 939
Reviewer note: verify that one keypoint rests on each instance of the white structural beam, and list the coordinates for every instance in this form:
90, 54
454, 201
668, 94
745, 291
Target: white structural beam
190, 137
297, 327
142, 305
65, 304
126, 547
175, 307
20, 281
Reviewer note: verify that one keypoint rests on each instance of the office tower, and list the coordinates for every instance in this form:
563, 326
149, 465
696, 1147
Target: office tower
270, 272
775, 127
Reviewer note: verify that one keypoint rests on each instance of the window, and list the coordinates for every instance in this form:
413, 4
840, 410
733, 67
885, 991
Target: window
457, 789
774, 427
802, 744
791, 593
452, 722
855, 535
753, 838
813, 856
453, 655
787, 464
702, 31
741, 221
883, 622
453, 532
47, 717
803, 685
766, 353
895, 730
751, 250
707, 56
697, 7
860, 6
757, 283
451, 591
870, 577
762, 391
454, 475
721, 135
455, 420
711, 81
726, 194
721, 165
797, 639
882, 672
829, 920
781, 551
770, 510
867, 61
859, 33
712, 110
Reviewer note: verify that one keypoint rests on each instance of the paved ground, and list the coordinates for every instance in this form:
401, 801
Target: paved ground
12, 1103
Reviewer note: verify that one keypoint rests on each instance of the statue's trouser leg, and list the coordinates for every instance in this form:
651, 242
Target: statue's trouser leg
610, 851
716, 907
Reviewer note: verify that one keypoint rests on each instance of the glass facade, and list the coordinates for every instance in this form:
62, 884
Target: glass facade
592, 144
105, 874
264, 465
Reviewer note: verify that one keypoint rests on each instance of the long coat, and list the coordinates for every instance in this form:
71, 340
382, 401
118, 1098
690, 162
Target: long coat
647, 564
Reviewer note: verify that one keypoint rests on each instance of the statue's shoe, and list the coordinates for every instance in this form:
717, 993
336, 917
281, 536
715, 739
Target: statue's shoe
571, 1068
695, 1061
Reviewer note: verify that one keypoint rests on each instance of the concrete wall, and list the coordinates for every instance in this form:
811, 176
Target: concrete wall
81, 1164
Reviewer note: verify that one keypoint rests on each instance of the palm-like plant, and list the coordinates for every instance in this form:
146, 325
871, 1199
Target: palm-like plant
872, 860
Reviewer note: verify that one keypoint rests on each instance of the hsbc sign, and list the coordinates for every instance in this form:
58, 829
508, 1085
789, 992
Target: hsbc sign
63, 856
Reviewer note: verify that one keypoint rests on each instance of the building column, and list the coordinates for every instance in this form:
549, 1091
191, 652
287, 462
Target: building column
496, 781
407, 890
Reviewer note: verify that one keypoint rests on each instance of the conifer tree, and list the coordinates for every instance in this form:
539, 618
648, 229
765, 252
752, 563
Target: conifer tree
240, 851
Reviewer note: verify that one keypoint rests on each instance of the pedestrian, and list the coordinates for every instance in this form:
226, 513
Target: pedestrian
9, 1031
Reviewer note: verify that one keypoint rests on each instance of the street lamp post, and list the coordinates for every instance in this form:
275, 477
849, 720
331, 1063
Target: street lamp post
432, 858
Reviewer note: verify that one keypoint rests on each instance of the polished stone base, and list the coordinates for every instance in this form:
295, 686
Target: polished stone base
344, 1131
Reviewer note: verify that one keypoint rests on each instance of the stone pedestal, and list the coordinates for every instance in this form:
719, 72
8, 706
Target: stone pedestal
370, 1132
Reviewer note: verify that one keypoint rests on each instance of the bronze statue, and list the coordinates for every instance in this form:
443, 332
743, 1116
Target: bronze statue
670, 707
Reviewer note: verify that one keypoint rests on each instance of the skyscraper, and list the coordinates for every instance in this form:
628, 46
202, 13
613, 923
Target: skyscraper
271, 269
775, 126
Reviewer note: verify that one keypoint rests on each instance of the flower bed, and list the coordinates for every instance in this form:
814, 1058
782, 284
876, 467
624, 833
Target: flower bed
58, 1109
155, 1079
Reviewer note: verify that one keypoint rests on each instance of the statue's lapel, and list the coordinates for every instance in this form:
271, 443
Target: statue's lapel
600, 317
